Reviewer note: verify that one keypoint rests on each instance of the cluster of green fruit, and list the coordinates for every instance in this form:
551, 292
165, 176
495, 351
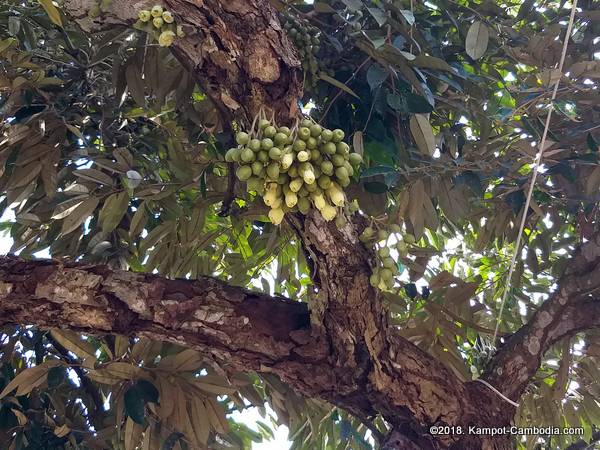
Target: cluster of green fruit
307, 40
295, 169
160, 24
387, 268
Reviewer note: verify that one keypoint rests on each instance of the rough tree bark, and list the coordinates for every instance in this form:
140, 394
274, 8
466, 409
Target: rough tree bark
340, 347
235, 49
342, 350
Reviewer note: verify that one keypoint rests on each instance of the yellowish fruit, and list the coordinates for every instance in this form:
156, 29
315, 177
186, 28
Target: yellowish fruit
291, 199
318, 200
276, 215
336, 195
167, 17
329, 212
296, 184
156, 11
144, 15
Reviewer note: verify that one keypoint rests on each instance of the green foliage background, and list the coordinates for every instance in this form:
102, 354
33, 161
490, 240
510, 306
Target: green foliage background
110, 153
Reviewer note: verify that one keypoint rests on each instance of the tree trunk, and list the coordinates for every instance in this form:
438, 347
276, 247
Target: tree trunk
236, 50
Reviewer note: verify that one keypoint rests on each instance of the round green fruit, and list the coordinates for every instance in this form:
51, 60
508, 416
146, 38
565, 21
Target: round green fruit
342, 148
355, 159
409, 238
324, 182
273, 171
326, 135
315, 130
275, 154
299, 146
341, 173
247, 155
243, 172
231, 155
338, 160
263, 156
270, 131
280, 138
384, 252
329, 148
304, 133
338, 135
266, 144
254, 145
257, 168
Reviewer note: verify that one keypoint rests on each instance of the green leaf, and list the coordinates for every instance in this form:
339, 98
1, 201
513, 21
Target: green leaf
477, 40
52, 11
148, 391
379, 15
376, 75
113, 211
431, 62
396, 102
322, 7
135, 405
135, 83
353, 5
375, 187
422, 133
94, 175
323, 76
417, 104
56, 376
79, 214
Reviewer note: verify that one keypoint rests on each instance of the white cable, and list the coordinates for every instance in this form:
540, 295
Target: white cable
537, 163
504, 397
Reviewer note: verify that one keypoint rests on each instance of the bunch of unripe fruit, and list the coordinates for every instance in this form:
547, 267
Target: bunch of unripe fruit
384, 273
307, 40
160, 24
295, 169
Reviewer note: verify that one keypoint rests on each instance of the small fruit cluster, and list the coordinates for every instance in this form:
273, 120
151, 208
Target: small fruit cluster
307, 40
387, 267
160, 24
295, 169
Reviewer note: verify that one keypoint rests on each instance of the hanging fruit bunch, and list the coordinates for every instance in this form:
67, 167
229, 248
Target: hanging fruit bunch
307, 40
295, 169
160, 24
388, 242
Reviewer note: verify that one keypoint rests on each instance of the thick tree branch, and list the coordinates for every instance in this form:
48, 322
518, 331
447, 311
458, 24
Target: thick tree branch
409, 387
249, 331
573, 307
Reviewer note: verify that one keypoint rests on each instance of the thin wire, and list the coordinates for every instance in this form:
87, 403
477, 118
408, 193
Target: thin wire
504, 397
537, 163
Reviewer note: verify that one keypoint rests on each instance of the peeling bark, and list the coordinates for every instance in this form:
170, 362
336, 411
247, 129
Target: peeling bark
236, 50
363, 369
